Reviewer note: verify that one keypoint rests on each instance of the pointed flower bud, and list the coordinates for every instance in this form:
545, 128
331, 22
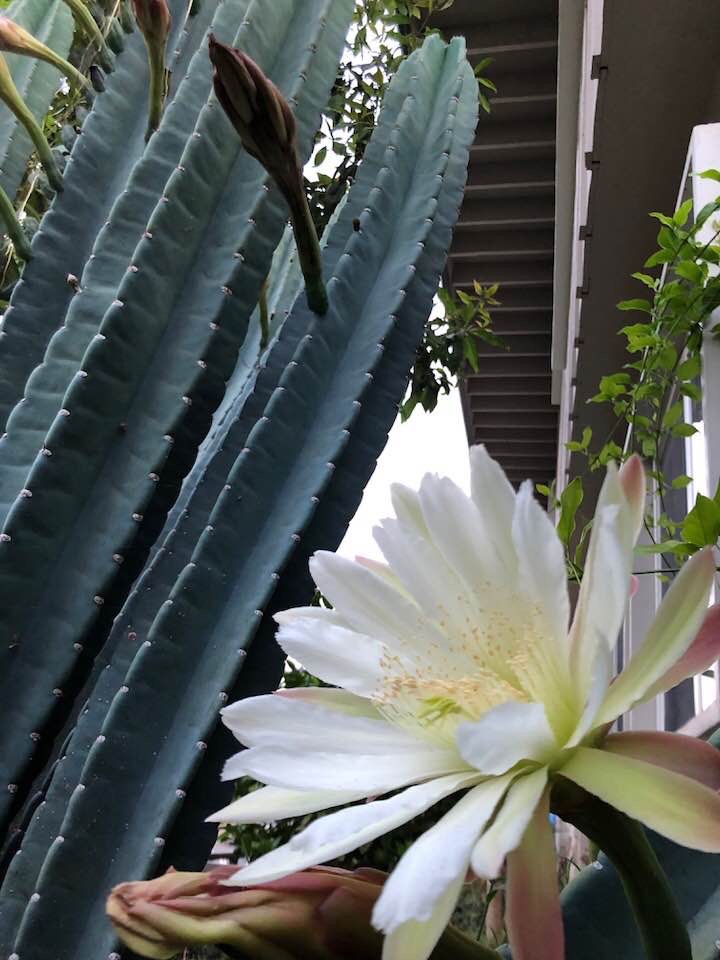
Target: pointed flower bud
265, 123
15, 39
318, 914
258, 111
153, 19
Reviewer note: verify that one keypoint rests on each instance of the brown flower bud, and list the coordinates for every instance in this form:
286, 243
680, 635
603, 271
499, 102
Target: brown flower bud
153, 19
265, 123
258, 111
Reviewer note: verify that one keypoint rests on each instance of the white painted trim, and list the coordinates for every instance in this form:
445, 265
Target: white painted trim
571, 21
563, 389
704, 154
703, 723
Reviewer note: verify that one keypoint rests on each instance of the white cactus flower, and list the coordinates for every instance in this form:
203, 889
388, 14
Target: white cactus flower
457, 669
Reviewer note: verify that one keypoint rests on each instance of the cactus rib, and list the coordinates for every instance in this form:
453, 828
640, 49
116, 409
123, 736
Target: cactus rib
112, 140
269, 497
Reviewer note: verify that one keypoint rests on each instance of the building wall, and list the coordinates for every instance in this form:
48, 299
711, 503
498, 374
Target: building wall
694, 706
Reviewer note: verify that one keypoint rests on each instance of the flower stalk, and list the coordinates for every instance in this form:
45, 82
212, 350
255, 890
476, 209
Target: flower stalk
86, 22
13, 228
153, 20
11, 98
15, 39
626, 845
266, 126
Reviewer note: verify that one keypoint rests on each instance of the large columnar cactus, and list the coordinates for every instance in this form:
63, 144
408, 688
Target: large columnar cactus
165, 472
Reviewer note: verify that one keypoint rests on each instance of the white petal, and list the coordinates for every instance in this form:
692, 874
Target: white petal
457, 531
509, 825
372, 773
605, 585
504, 735
417, 940
406, 504
595, 694
676, 623
289, 723
368, 604
380, 569
331, 698
339, 833
273, 803
495, 499
437, 859
331, 651
541, 566
421, 570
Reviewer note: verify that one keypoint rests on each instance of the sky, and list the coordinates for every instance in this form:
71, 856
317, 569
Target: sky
426, 443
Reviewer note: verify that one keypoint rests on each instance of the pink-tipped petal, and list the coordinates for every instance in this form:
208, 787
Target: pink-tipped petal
677, 622
675, 806
632, 481
688, 756
532, 914
701, 654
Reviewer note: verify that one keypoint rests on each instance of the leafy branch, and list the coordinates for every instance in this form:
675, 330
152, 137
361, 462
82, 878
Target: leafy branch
647, 395
450, 344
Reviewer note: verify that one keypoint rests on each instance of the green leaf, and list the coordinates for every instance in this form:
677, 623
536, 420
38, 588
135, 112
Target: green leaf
672, 415
649, 447
663, 218
667, 239
667, 546
682, 213
470, 353
680, 482
701, 526
684, 430
690, 368
570, 500
645, 278
638, 303
689, 270
611, 451
691, 390
709, 175
661, 256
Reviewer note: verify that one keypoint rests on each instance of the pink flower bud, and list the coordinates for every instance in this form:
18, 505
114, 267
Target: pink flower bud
318, 914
